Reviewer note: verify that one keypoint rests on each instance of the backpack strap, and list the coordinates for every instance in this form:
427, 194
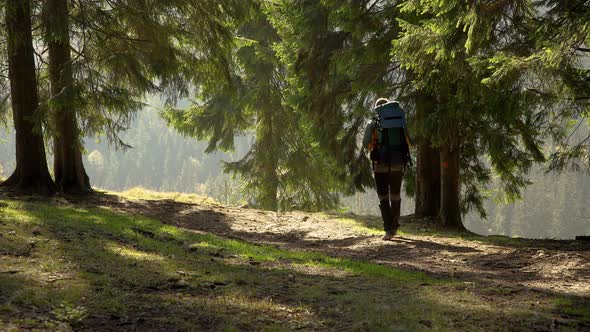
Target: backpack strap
374, 139
406, 150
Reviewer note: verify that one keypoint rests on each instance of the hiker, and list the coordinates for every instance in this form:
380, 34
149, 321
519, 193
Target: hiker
388, 143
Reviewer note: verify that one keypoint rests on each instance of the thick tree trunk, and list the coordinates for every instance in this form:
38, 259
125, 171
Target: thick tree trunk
427, 202
428, 182
31, 173
450, 210
69, 171
269, 197
268, 192
267, 136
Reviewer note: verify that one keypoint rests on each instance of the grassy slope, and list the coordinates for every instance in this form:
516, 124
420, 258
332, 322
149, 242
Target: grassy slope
78, 267
146, 194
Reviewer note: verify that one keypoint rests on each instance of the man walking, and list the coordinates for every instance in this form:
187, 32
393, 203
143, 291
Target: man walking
387, 141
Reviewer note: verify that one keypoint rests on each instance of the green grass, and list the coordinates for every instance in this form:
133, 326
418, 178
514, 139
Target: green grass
64, 267
146, 194
571, 308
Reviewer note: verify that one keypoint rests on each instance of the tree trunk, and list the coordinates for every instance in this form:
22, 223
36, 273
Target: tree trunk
68, 166
427, 181
31, 173
427, 166
270, 196
450, 210
270, 182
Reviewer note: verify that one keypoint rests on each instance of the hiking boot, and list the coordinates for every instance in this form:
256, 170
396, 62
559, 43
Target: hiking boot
386, 216
395, 212
388, 236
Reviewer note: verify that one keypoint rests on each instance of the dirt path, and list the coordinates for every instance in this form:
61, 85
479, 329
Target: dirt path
518, 268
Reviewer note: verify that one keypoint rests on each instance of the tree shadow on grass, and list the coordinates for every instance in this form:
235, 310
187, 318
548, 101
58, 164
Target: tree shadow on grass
138, 274
204, 218
442, 260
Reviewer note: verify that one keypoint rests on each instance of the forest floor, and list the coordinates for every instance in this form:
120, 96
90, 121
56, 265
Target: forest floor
141, 260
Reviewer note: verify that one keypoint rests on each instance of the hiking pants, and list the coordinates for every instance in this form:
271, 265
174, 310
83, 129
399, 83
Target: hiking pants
388, 186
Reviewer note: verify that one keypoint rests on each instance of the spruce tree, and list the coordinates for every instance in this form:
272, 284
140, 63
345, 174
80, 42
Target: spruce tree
31, 173
336, 54
558, 72
474, 119
121, 51
69, 172
283, 170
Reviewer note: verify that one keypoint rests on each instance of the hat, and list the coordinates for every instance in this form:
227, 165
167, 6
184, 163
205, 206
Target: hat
381, 101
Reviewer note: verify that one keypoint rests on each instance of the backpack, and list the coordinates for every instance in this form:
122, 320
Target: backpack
388, 142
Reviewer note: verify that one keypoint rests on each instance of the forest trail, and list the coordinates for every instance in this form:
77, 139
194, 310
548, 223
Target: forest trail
498, 268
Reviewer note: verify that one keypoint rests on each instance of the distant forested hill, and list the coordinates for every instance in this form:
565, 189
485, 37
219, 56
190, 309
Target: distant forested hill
161, 159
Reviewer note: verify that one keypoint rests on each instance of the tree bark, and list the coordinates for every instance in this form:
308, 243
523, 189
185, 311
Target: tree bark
70, 175
450, 210
270, 196
270, 182
427, 201
428, 182
31, 173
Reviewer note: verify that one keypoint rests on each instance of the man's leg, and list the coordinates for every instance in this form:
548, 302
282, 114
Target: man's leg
395, 185
382, 186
